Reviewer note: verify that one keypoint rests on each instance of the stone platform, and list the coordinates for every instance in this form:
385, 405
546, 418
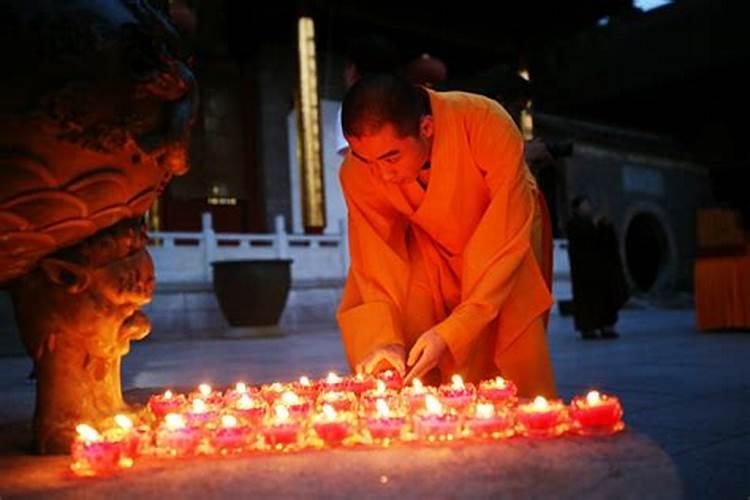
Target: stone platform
627, 465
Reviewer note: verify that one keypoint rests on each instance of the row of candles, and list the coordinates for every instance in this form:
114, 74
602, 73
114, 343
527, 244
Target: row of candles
335, 411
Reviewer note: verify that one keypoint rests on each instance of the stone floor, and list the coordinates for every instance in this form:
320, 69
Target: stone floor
689, 392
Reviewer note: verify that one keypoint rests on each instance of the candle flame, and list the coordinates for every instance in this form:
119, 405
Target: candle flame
240, 387
360, 377
124, 422
485, 410
87, 432
418, 386
332, 378
432, 404
199, 406
204, 389
329, 412
500, 382
174, 421
304, 381
382, 408
228, 421
593, 398
388, 374
277, 387
381, 387
540, 403
457, 382
290, 398
168, 394
244, 403
282, 413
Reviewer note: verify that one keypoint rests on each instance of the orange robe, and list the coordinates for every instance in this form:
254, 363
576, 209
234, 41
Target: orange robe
457, 256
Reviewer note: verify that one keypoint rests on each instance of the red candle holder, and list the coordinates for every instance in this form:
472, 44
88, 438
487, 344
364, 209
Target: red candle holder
272, 392
435, 422
306, 388
331, 426
280, 431
333, 382
174, 437
231, 436
161, 404
200, 414
299, 408
339, 400
251, 409
93, 455
489, 421
541, 418
208, 395
240, 389
381, 392
457, 395
392, 379
497, 390
596, 414
360, 383
135, 441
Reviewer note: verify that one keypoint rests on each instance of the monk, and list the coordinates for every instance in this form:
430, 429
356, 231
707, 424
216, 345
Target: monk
444, 235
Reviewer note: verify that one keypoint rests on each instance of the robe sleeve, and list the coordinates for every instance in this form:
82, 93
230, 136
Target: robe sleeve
501, 241
369, 313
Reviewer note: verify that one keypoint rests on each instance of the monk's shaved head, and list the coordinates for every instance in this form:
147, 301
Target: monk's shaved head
378, 100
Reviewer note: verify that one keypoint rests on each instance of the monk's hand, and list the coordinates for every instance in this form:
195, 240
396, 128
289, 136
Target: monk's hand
425, 354
381, 358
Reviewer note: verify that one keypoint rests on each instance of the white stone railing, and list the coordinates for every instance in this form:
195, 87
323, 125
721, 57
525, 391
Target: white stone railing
185, 257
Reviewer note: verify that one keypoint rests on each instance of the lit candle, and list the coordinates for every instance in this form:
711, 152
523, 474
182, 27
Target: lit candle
489, 421
457, 395
436, 422
339, 400
161, 404
497, 390
207, 394
175, 437
251, 409
381, 391
392, 379
200, 414
93, 455
333, 382
306, 388
298, 407
134, 440
386, 424
359, 383
272, 392
415, 395
542, 418
231, 436
596, 414
331, 426
235, 393
280, 431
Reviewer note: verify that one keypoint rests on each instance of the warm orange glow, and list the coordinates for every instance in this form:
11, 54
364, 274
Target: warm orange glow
329, 412
244, 403
168, 394
205, 390
199, 406
457, 382
332, 378
240, 387
304, 381
277, 387
174, 421
540, 404
87, 432
282, 414
418, 386
228, 421
432, 404
593, 398
381, 387
485, 410
500, 382
124, 422
382, 408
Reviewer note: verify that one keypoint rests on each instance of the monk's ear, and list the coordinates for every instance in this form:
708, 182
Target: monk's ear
73, 277
426, 126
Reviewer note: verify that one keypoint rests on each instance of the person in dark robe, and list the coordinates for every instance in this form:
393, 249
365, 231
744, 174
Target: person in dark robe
599, 286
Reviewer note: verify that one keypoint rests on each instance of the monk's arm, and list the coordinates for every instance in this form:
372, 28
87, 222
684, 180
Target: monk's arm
501, 240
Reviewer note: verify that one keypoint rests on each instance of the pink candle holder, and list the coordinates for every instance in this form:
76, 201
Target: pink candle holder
280, 431
392, 379
457, 395
386, 424
161, 404
240, 389
331, 426
360, 383
200, 414
489, 421
542, 418
92, 455
306, 388
498, 391
596, 414
135, 441
175, 438
435, 422
415, 394
339, 400
369, 398
231, 436
299, 408
333, 383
